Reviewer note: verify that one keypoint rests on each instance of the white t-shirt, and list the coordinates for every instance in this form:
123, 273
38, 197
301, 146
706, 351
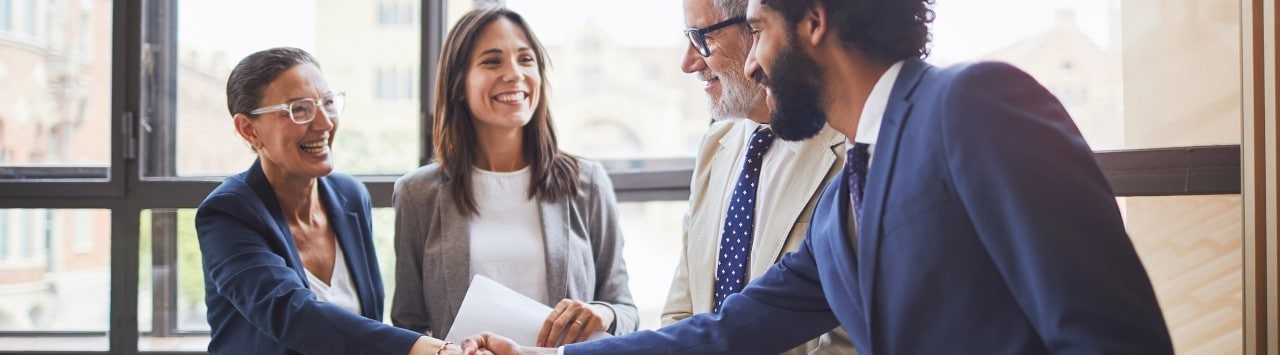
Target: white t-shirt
506, 235
339, 290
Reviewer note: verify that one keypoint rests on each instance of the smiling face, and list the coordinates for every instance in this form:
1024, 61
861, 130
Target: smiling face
729, 92
503, 81
792, 79
296, 150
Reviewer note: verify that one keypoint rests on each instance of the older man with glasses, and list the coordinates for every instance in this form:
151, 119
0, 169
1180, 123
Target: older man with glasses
751, 195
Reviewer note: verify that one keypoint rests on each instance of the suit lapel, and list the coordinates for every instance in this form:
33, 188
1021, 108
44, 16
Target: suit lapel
556, 236
350, 239
703, 250
836, 231
455, 251
803, 178
261, 187
878, 177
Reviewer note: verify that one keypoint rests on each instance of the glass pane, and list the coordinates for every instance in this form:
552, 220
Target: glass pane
190, 271
1191, 247
55, 100
618, 92
49, 261
652, 250
181, 276
1119, 67
384, 244
379, 130
1182, 72
145, 270
180, 273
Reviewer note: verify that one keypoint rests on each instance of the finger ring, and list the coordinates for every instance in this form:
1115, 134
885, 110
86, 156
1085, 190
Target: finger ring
579, 323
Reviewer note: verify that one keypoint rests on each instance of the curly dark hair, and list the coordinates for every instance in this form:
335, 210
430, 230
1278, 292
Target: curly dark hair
884, 30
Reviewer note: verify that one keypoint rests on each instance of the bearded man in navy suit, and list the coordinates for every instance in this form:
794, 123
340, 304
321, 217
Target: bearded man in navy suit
971, 217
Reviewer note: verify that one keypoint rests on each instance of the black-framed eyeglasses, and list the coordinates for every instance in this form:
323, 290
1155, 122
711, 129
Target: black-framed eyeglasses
302, 111
698, 36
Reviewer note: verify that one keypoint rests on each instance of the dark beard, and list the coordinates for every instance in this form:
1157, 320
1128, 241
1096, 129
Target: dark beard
797, 92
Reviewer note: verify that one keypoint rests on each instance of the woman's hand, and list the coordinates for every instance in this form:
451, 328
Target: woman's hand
431, 346
573, 321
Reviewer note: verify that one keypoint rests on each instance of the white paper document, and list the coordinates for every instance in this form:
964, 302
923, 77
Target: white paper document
490, 306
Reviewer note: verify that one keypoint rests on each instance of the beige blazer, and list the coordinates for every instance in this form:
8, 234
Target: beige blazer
433, 251
781, 225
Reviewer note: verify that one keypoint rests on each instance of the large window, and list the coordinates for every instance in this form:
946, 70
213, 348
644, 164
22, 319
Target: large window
113, 127
1123, 71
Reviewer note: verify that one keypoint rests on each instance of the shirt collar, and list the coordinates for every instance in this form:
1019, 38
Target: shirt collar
877, 102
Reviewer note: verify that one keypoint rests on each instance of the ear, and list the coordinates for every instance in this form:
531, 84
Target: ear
814, 26
244, 127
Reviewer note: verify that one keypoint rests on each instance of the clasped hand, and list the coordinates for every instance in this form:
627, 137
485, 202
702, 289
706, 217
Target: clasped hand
570, 322
573, 321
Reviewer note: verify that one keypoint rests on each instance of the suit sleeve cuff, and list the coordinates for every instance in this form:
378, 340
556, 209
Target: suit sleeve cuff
612, 326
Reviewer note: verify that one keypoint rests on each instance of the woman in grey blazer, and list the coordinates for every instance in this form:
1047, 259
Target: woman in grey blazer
502, 200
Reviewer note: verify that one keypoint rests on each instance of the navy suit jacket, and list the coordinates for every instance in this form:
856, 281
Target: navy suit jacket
988, 228
256, 289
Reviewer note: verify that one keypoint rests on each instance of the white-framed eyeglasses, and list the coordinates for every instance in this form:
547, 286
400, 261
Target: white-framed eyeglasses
302, 111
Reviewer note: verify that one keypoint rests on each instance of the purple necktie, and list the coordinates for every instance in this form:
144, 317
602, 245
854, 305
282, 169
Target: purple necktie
735, 242
855, 169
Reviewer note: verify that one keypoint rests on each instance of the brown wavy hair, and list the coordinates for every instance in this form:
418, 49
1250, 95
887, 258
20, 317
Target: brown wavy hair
554, 172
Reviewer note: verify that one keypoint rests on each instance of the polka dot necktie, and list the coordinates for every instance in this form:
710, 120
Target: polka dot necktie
739, 226
855, 169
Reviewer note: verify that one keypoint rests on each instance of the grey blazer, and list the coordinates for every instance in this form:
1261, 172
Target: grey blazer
433, 256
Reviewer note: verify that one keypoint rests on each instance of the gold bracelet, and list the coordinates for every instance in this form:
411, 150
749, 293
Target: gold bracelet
446, 344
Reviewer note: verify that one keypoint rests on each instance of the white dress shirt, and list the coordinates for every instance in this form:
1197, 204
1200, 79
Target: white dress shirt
873, 110
873, 114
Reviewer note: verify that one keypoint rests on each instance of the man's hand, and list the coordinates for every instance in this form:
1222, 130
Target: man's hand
489, 343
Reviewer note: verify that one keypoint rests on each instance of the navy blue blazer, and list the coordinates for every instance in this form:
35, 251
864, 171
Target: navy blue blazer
988, 229
255, 286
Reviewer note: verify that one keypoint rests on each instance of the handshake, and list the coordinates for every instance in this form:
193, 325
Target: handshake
571, 321
492, 344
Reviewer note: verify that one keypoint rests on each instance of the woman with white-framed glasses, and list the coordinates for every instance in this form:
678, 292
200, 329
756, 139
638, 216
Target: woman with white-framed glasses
287, 246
